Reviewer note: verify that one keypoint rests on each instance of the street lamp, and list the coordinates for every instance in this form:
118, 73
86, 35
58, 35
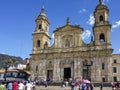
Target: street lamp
7, 64
6, 68
88, 64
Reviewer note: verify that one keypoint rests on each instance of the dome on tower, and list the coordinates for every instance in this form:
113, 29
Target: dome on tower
101, 6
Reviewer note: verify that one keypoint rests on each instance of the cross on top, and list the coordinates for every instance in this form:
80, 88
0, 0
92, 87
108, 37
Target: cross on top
100, 1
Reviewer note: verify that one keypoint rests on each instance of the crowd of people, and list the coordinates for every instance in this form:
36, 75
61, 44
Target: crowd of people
77, 85
17, 85
24, 85
115, 85
74, 84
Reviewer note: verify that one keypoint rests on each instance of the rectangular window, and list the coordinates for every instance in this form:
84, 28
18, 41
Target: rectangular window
115, 79
103, 66
15, 74
114, 61
114, 70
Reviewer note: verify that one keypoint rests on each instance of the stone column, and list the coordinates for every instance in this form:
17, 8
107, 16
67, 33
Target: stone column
109, 61
75, 68
72, 70
80, 70
97, 70
56, 71
43, 69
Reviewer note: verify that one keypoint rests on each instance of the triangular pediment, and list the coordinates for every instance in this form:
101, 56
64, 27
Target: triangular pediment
67, 28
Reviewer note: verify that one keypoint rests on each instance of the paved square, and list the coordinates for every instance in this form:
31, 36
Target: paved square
66, 88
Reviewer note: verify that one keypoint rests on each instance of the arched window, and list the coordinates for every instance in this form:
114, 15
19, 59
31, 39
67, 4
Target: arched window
101, 18
67, 43
40, 26
36, 68
38, 43
45, 45
102, 38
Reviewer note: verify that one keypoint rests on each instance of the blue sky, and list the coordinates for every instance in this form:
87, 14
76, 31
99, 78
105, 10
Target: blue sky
17, 21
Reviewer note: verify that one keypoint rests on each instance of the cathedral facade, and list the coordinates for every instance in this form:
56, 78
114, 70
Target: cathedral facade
69, 57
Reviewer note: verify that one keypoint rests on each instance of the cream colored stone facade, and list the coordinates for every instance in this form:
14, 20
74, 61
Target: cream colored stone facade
69, 57
116, 65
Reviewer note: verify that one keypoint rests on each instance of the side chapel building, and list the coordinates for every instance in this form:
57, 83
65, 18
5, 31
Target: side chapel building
69, 57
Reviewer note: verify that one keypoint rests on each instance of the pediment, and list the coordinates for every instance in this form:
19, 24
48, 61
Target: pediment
67, 28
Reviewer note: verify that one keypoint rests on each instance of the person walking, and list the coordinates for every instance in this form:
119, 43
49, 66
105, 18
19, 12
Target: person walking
101, 86
72, 85
91, 86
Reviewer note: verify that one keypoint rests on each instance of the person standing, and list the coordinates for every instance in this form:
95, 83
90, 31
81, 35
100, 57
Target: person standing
15, 85
2, 86
101, 86
91, 86
21, 86
28, 86
33, 84
66, 83
80, 86
87, 88
83, 86
46, 83
9, 86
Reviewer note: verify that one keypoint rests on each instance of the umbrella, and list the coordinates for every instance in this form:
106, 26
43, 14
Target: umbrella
85, 81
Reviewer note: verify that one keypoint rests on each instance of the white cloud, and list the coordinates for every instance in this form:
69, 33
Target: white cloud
4, 53
117, 24
91, 20
82, 11
86, 34
119, 50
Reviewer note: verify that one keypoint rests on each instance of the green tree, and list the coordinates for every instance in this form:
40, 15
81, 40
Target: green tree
27, 68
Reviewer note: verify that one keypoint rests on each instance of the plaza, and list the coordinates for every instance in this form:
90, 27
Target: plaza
66, 88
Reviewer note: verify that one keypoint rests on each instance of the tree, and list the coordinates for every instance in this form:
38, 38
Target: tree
27, 68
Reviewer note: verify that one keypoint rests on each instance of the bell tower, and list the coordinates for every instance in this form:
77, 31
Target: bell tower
41, 38
102, 27
101, 31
